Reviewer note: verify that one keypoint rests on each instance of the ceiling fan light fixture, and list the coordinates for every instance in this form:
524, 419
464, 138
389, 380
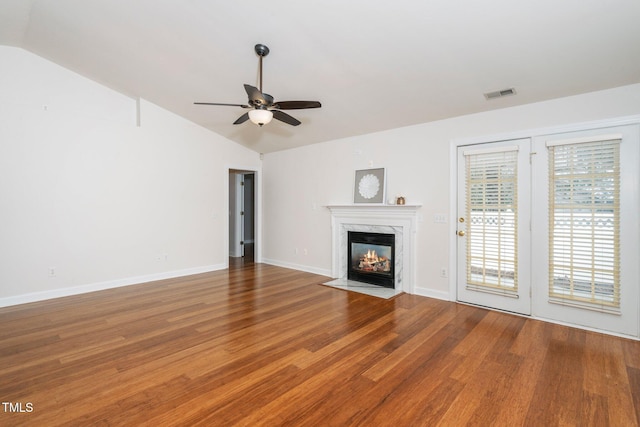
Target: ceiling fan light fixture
260, 117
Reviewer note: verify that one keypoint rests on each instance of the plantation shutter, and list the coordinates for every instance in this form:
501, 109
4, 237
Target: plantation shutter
491, 215
584, 223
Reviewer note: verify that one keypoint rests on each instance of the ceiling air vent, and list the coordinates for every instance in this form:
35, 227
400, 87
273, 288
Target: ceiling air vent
500, 93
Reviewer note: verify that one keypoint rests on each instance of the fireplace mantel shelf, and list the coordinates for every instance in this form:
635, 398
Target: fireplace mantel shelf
373, 206
374, 211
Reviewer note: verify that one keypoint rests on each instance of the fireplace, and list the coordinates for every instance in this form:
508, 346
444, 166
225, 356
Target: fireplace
371, 258
399, 220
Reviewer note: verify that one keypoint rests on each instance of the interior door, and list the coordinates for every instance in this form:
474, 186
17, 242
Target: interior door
240, 214
248, 220
493, 228
235, 218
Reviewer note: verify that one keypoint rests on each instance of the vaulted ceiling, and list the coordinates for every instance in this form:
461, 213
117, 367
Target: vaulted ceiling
374, 65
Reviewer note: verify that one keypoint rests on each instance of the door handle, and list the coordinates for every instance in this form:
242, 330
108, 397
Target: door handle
461, 233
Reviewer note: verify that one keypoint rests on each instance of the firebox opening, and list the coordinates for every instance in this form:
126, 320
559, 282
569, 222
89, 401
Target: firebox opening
371, 258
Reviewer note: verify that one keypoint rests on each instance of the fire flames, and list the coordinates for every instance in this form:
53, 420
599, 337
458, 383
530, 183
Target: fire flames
372, 262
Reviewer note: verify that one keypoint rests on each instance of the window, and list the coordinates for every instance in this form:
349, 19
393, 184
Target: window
491, 212
584, 223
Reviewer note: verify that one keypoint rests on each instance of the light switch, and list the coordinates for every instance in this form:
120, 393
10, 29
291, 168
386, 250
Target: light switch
440, 218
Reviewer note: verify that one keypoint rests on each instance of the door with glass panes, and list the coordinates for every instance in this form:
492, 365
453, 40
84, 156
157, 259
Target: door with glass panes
549, 227
586, 239
493, 225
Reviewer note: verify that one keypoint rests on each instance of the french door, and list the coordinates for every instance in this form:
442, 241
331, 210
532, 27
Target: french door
549, 226
493, 225
587, 241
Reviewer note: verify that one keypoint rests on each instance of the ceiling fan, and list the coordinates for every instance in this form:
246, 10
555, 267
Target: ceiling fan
263, 106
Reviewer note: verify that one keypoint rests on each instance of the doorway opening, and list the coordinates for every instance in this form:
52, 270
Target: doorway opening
242, 215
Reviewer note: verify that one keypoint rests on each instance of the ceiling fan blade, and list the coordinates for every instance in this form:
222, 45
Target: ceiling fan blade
284, 117
255, 95
296, 105
243, 118
219, 103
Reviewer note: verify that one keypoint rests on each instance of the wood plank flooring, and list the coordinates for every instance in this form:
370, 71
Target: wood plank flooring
258, 345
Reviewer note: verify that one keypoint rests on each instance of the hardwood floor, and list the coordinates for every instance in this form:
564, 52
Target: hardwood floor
261, 345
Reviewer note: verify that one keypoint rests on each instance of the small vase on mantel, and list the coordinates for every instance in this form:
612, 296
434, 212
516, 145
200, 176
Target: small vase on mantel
400, 200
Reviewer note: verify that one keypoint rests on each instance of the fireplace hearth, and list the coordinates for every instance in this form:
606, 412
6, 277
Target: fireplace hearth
371, 258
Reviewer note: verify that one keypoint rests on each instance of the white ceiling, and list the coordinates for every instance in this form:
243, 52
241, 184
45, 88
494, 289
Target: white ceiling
374, 65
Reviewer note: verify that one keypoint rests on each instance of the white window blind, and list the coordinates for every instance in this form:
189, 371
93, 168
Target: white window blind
584, 224
491, 215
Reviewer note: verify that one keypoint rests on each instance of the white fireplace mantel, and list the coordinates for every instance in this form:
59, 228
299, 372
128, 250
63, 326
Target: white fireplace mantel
400, 220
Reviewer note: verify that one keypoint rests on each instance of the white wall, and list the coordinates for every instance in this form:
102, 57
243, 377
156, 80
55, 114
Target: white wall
298, 183
94, 197
105, 203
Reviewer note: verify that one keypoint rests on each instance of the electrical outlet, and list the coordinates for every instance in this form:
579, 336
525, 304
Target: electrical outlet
306, 252
52, 272
443, 272
295, 251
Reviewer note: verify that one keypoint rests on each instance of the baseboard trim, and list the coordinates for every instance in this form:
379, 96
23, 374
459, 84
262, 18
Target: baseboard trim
424, 292
93, 287
430, 293
305, 268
